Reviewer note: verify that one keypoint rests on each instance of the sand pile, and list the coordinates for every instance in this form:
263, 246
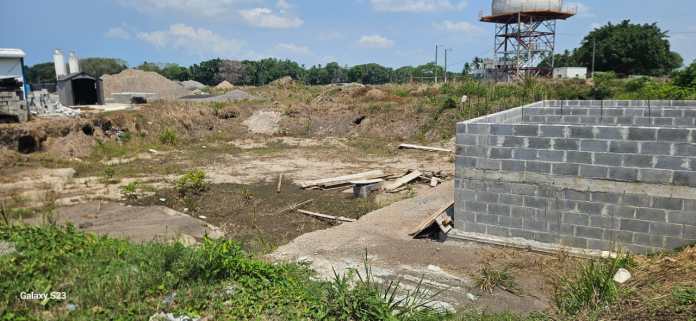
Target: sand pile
133, 80
75, 144
264, 122
192, 85
375, 94
284, 82
224, 86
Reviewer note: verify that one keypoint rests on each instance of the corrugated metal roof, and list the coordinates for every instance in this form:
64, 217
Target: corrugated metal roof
12, 53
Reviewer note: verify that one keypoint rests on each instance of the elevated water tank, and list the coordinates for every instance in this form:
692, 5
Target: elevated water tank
503, 7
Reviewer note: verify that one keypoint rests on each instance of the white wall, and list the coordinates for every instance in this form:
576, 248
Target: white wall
570, 73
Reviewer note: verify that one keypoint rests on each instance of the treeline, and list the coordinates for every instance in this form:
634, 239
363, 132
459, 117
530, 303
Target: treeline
625, 49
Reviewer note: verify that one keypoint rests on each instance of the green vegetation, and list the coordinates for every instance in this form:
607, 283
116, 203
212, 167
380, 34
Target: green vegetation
192, 182
490, 278
626, 49
131, 191
167, 137
480, 316
592, 289
104, 278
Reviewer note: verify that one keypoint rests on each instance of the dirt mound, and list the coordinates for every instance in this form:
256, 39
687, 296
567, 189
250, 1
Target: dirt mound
375, 94
74, 145
425, 90
192, 85
133, 80
264, 122
286, 81
224, 85
232, 96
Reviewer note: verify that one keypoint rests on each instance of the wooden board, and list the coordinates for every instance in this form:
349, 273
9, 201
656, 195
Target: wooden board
330, 217
334, 181
425, 148
432, 219
402, 181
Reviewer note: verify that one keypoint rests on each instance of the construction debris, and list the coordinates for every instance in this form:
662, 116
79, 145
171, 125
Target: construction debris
296, 206
426, 148
402, 181
341, 180
43, 103
439, 217
363, 188
622, 276
329, 217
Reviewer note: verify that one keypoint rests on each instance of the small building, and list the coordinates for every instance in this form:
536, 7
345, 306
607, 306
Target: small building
570, 73
79, 89
13, 87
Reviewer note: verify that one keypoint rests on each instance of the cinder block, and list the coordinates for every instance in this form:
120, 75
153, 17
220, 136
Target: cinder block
667, 203
631, 160
642, 134
623, 147
487, 197
636, 200
673, 135
579, 157
523, 189
575, 242
610, 133
655, 176
498, 231
513, 165
605, 222
589, 232
655, 148
634, 226
685, 179
536, 202
673, 163
538, 167
648, 240
510, 199
570, 194
604, 197
545, 237
679, 217
565, 144
488, 164
467, 139
478, 207
524, 154
581, 132
521, 233
589, 171
499, 209
601, 245
689, 232
552, 131
594, 146
511, 222
608, 159
502, 129
539, 143
623, 174
526, 130
465, 162
487, 219
501, 153
551, 155
565, 169
472, 227
575, 219
590, 208
673, 242
478, 129
666, 229
513, 141
651, 214
536, 226
526, 213
618, 236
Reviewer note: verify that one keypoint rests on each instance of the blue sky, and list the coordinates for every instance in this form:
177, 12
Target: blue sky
389, 32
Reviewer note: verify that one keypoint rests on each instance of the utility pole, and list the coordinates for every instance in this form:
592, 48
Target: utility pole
594, 54
437, 51
446, 50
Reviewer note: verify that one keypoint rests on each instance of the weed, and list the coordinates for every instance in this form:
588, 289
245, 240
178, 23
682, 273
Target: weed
506, 316
490, 278
217, 106
247, 196
131, 191
593, 288
108, 174
685, 296
192, 183
167, 137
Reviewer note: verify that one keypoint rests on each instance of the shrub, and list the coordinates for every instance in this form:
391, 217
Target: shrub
168, 137
192, 182
131, 191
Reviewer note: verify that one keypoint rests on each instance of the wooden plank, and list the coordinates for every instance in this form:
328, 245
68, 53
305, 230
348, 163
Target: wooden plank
296, 206
425, 148
431, 219
434, 181
330, 217
402, 181
328, 182
367, 181
280, 183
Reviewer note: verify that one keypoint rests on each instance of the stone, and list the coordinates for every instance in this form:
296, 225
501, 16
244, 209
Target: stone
622, 276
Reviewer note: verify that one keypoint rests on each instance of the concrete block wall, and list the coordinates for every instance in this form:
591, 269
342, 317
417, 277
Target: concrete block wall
12, 104
590, 186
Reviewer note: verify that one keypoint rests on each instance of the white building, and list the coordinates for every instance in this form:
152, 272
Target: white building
570, 73
12, 65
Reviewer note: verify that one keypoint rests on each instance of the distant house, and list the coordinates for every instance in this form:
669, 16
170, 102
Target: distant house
570, 73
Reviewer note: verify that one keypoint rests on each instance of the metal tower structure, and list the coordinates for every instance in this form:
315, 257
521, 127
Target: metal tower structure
525, 35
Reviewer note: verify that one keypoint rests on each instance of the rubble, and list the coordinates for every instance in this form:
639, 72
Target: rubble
43, 103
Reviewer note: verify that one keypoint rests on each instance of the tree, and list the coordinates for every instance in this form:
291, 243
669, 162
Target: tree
175, 72
98, 67
686, 78
41, 73
370, 74
207, 72
629, 49
566, 59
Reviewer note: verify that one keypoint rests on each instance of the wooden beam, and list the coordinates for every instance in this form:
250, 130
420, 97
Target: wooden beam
280, 183
341, 180
296, 206
425, 148
329, 217
402, 181
431, 219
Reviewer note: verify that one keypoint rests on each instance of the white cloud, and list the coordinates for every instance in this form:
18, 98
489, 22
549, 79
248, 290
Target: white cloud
265, 18
293, 49
283, 5
416, 5
193, 40
118, 33
375, 41
204, 8
458, 26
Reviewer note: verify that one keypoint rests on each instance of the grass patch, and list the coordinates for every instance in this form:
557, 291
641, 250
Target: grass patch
193, 182
103, 278
592, 289
490, 278
506, 316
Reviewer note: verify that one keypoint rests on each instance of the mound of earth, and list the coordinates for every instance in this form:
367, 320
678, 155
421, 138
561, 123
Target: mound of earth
192, 85
375, 94
133, 80
232, 96
224, 85
264, 122
286, 81
76, 144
